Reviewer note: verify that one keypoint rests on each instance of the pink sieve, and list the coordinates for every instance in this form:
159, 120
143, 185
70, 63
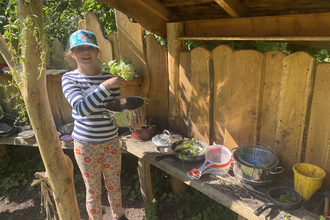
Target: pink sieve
216, 156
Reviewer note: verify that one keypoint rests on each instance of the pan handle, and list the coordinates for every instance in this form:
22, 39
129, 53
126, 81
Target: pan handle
277, 170
264, 207
160, 157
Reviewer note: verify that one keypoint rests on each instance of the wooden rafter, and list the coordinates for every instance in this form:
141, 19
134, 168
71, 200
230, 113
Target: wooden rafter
159, 9
270, 26
255, 38
133, 9
171, 3
233, 7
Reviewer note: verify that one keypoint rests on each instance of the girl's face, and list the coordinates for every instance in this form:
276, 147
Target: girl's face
84, 55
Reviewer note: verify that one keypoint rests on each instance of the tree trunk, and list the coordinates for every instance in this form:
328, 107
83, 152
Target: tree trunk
59, 167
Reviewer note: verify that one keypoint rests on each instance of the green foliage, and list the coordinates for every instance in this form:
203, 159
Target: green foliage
17, 171
63, 17
122, 68
321, 55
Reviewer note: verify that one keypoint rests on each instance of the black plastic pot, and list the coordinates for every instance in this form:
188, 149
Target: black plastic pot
276, 192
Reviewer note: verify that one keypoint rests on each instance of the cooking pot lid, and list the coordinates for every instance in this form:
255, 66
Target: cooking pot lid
166, 139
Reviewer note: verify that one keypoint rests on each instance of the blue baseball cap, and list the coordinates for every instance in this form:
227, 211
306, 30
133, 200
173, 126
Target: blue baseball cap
82, 37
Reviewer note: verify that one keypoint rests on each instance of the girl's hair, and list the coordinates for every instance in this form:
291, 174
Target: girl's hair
72, 64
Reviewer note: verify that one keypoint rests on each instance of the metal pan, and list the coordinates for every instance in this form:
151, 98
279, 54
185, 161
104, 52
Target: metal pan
276, 192
175, 155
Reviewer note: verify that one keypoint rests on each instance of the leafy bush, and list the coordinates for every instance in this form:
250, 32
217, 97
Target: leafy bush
17, 171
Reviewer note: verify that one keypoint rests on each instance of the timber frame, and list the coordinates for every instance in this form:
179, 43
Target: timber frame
301, 22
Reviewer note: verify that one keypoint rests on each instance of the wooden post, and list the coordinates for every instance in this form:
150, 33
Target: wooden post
175, 47
177, 186
3, 152
147, 189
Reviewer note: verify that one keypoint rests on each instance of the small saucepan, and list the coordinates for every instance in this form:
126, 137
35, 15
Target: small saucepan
281, 197
174, 152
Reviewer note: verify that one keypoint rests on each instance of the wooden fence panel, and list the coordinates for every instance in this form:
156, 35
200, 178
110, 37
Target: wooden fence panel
221, 62
270, 96
200, 98
243, 97
318, 149
294, 108
93, 25
157, 109
131, 45
185, 91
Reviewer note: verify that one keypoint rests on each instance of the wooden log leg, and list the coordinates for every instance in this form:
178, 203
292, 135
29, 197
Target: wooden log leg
146, 187
177, 186
239, 217
3, 152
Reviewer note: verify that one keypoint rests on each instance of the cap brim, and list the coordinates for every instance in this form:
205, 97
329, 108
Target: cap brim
88, 44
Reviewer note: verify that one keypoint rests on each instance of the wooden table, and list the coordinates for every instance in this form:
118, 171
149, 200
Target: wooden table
213, 186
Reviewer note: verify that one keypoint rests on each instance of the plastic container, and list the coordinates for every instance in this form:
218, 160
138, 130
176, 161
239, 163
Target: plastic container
218, 159
307, 179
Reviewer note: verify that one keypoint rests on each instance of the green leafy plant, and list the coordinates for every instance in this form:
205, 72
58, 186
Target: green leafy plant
287, 198
17, 171
122, 68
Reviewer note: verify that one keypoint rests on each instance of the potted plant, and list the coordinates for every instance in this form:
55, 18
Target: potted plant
122, 68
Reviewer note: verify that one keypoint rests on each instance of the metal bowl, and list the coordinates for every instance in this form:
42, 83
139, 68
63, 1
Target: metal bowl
124, 110
66, 129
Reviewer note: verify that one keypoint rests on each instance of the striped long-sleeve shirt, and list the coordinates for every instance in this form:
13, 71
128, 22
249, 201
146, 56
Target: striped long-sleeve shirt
88, 98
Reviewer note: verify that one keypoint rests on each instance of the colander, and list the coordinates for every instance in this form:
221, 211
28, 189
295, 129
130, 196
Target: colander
255, 153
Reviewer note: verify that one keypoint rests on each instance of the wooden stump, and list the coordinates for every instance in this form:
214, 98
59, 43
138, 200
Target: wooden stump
3, 152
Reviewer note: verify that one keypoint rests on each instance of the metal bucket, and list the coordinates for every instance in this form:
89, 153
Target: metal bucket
123, 110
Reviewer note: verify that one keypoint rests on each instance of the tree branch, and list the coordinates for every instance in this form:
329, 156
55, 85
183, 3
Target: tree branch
8, 55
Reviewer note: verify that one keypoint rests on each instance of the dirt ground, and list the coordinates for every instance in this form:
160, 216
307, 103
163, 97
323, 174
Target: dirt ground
26, 206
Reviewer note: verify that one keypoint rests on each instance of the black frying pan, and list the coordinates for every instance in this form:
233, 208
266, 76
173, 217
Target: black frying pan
175, 155
276, 193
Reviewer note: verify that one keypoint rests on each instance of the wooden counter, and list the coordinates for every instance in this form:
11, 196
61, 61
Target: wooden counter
244, 203
211, 185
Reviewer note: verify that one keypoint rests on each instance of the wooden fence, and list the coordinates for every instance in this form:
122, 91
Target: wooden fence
227, 97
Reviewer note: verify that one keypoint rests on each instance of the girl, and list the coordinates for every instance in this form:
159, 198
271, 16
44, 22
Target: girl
96, 144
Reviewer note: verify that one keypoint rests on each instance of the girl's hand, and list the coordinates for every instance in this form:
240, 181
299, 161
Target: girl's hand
138, 122
114, 82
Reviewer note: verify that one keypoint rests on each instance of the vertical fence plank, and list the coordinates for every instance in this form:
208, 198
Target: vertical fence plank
54, 103
105, 46
294, 108
185, 90
318, 149
200, 98
157, 109
221, 61
243, 97
131, 45
113, 38
270, 96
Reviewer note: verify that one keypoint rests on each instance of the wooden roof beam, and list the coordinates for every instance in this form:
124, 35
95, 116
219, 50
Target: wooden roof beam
287, 25
159, 9
233, 7
154, 23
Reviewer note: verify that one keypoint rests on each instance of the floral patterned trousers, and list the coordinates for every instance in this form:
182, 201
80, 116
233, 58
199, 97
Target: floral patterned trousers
93, 161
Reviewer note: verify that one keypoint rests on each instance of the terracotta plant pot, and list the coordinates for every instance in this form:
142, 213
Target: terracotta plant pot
144, 133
